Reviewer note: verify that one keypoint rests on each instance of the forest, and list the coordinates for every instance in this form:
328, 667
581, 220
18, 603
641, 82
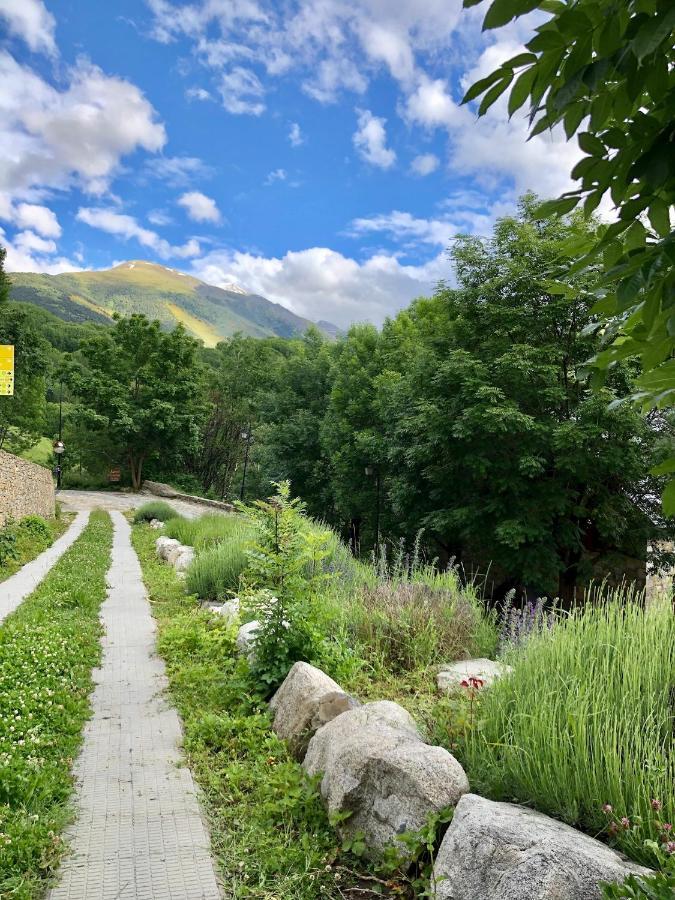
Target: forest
467, 425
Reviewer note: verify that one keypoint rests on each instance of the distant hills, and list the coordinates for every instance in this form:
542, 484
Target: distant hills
207, 312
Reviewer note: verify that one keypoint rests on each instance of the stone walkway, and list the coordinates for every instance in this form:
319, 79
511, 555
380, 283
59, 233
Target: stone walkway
138, 834
14, 590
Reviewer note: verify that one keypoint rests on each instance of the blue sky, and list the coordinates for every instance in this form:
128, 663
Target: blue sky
313, 151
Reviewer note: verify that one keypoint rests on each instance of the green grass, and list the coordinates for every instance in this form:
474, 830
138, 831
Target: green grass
40, 453
30, 542
269, 831
155, 509
48, 648
586, 719
208, 530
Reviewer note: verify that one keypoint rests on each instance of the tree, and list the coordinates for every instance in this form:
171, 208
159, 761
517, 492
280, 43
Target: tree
609, 66
21, 415
495, 443
140, 387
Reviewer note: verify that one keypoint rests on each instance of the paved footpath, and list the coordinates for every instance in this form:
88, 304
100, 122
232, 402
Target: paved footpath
138, 834
14, 590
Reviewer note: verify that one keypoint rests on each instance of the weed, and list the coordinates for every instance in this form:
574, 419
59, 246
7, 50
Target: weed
155, 509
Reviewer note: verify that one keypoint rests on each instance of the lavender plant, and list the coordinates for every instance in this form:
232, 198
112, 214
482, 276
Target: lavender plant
517, 624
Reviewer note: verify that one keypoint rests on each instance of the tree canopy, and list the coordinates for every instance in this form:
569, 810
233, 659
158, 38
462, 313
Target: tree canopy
605, 71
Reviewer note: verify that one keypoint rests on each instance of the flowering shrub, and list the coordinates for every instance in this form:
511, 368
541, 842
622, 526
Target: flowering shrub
516, 625
657, 838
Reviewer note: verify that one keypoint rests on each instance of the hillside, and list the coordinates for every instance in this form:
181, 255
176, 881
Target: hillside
209, 313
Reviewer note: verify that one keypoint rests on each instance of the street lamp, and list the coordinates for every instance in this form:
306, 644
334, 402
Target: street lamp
59, 449
371, 470
245, 436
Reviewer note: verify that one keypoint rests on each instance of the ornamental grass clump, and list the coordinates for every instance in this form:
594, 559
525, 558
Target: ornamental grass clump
155, 509
586, 718
215, 572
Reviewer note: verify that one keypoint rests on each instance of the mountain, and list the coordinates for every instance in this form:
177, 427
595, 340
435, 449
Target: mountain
209, 313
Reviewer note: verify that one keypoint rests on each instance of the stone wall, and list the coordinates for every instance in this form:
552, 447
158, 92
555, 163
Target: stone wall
25, 489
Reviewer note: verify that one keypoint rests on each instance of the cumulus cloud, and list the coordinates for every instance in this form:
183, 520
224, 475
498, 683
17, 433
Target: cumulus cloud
370, 140
242, 91
30, 216
425, 164
31, 21
321, 283
52, 138
199, 207
127, 227
28, 252
295, 135
404, 227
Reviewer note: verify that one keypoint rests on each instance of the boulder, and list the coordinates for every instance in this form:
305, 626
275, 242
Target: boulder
500, 851
246, 639
377, 770
229, 609
307, 699
164, 545
452, 675
155, 523
181, 558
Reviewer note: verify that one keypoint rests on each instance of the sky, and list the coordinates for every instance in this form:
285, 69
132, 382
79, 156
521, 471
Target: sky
312, 151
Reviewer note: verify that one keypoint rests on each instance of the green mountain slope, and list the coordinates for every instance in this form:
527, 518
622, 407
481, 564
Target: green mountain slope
209, 313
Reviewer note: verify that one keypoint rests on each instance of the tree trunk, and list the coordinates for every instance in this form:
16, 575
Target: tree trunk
136, 469
355, 535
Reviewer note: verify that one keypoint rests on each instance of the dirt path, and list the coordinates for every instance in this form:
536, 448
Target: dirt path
110, 500
14, 590
138, 834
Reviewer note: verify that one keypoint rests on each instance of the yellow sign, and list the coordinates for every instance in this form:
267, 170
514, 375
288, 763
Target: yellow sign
6, 370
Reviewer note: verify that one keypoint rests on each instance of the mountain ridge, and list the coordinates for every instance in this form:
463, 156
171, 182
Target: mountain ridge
208, 312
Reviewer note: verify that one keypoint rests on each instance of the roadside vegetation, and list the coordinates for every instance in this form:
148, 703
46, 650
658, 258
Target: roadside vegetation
22, 541
48, 648
582, 729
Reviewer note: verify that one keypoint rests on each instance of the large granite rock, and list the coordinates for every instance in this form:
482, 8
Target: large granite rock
500, 851
229, 610
451, 676
181, 558
376, 768
246, 639
306, 700
164, 545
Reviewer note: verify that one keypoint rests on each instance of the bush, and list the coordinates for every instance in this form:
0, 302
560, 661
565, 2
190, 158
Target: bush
215, 572
36, 527
155, 509
411, 624
181, 529
8, 541
585, 719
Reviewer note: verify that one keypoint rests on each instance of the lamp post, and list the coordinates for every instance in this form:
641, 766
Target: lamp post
370, 471
245, 436
59, 446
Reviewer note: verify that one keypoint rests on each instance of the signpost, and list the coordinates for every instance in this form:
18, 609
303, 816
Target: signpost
6, 370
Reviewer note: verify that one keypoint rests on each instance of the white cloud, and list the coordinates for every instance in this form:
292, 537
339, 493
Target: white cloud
405, 227
21, 258
127, 227
370, 140
425, 164
321, 283
276, 175
31, 21
242, 91
52, 138
159, 217
295, 135
176, 171
199, 207
197, 93
38, 218
331, 77
432, 106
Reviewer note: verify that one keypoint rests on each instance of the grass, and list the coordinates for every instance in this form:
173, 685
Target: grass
28, 541
41, 453
48, 648
586, 719
155, 509
269, 831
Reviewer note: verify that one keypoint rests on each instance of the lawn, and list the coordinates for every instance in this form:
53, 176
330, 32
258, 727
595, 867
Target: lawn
48, 648
22, 541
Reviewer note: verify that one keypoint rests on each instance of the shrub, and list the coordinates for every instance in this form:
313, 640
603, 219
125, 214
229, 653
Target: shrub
8, 540
411, 624
215, 572
155, 509
181, 529
585, 719
36, 527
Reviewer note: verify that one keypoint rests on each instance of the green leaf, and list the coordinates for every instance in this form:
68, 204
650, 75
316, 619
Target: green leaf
636, 236
494, 93
659, 216
476, 89
469, 3
653, 33
592, 145
522, 59
667, 467
521, 89
502, 11
668, 498
556, 207
546, 40
572, 118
